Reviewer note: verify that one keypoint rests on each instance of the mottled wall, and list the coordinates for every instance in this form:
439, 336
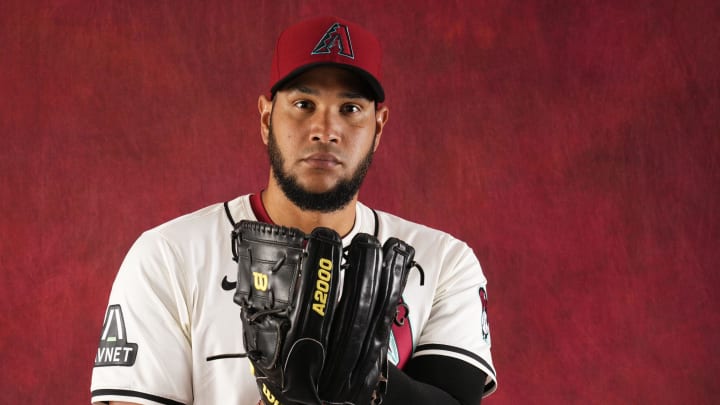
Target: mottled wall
573, 145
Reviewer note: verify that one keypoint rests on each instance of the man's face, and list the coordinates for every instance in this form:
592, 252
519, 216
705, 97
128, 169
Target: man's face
322, 133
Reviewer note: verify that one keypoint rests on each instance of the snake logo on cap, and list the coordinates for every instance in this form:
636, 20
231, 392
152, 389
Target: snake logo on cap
337, 37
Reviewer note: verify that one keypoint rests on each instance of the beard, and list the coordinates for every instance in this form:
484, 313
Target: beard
329, 201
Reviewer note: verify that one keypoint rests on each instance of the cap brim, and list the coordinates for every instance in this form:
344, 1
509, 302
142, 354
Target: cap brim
377, 91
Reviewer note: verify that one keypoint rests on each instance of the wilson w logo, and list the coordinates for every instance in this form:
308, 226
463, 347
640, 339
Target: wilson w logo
260, 281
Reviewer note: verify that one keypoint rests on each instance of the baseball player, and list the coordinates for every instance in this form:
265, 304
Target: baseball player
172, 332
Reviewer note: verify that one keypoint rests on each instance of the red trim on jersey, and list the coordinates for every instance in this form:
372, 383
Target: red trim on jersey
403, 335
259, 208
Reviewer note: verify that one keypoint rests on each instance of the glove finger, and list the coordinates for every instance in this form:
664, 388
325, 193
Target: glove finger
315, 304
353, 319
397, 259
356, 369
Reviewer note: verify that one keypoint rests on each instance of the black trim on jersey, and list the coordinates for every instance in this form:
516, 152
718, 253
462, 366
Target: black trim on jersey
229, 215
226, 356
128, 393
377, 223
454, 349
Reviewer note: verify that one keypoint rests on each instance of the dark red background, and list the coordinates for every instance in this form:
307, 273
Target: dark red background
574, 145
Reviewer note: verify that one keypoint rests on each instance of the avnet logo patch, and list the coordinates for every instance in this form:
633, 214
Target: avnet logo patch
114, 349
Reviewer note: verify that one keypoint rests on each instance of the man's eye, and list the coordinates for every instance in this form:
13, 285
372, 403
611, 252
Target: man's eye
303, 104
350, 108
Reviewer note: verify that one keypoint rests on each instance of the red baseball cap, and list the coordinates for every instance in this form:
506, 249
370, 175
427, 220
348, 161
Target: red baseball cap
327, 41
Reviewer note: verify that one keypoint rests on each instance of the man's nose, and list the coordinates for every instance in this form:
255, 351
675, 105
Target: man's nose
325, 127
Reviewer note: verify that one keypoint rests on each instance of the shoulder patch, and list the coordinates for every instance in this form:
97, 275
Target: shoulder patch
114, 348
484, 317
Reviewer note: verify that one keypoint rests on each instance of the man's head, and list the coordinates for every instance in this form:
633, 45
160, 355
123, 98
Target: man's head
322, 124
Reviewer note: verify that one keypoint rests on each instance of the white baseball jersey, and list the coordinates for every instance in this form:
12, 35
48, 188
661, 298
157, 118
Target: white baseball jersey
172, 333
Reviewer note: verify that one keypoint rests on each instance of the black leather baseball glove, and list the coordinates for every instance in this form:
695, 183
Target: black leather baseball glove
311, 337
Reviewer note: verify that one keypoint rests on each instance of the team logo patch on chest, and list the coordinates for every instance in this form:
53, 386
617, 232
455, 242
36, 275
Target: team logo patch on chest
114, 349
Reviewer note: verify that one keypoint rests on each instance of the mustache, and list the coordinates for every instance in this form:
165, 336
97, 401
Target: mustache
327, 153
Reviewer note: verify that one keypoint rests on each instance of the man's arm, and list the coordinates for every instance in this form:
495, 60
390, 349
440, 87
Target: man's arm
453, 349
435, 380
144, 311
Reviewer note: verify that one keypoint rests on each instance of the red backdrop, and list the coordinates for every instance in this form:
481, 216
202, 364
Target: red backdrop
574, 146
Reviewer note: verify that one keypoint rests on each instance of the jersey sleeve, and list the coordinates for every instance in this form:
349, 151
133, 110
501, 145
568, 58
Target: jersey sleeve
458, 324
144, 353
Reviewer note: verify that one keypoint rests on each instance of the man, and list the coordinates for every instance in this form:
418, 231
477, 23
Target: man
172, 333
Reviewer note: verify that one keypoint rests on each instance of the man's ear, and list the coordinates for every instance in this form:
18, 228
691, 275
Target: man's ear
381, 117
265, 109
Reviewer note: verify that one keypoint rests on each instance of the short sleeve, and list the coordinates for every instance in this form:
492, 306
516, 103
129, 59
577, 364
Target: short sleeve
458, 325
144, 352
